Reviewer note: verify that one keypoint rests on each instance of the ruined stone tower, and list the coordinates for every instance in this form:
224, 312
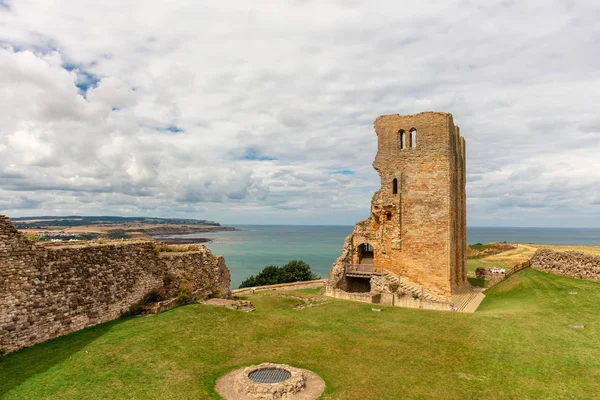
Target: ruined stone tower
415, 236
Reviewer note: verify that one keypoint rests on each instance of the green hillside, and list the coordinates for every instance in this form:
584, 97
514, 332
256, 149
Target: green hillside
518, 345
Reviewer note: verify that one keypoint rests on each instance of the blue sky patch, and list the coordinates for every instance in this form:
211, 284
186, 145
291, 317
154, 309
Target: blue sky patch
342, 172
85, 80
170, 128
254, 155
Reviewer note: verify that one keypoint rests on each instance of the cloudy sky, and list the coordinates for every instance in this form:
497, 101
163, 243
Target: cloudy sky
262, 111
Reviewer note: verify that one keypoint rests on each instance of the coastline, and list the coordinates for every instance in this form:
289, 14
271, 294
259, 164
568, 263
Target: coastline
172, 240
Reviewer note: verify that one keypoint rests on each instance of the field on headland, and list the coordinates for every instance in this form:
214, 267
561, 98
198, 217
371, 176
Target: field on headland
518, 345
521, 253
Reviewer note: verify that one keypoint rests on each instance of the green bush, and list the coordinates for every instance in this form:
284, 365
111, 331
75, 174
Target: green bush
294, 271
153, 296
184, 295
118, 234
165, 248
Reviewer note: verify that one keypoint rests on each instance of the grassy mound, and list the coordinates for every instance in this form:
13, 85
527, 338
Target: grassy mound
479, 250
518, 345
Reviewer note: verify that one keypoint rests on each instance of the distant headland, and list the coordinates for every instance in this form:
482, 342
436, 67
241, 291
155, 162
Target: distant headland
75, 227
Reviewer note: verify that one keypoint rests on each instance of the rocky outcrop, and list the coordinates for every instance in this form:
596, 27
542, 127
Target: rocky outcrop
569, 263
46, 292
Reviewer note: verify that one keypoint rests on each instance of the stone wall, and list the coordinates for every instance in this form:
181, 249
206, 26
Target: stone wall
46, 292
282, 286
205, 274
363, 297
569, 263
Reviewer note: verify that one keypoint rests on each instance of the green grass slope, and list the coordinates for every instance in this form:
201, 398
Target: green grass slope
518, 345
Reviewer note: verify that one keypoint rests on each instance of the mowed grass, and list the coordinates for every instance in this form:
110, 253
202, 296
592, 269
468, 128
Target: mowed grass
518, 345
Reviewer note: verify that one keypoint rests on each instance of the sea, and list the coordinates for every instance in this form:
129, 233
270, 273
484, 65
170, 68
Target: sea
252, 247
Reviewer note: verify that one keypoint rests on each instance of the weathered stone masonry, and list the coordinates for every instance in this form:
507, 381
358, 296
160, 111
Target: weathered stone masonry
416, 232
46, 292
569, 263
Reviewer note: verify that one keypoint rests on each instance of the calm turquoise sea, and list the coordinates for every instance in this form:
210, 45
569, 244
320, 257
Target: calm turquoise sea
248, 250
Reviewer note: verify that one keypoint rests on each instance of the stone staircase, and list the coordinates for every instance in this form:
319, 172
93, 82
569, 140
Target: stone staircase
467, 301
411, 288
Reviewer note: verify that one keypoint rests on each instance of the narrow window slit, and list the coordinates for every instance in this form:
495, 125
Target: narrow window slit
402, 139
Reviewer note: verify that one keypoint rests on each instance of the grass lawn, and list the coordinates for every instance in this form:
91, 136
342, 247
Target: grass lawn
518, 345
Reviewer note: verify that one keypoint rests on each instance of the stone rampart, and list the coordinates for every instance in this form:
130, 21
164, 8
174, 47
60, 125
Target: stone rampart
204, 273
283, 286
46, 292
569, 263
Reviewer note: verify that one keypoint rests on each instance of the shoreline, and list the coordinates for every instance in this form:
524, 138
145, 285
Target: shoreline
172, 240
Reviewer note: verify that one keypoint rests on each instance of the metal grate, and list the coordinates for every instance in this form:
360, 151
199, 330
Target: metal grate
269, 375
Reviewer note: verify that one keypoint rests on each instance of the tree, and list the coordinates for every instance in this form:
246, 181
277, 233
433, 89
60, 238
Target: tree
294, 271
297, 271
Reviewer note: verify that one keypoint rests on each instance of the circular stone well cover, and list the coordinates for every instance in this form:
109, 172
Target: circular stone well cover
269, 375
270, 381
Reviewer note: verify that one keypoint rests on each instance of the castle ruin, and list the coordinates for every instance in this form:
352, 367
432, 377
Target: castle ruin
412, 246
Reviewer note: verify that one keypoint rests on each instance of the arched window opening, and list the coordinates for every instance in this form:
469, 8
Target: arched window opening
413, 137
395, 186
388, 216
402, 139
365, 253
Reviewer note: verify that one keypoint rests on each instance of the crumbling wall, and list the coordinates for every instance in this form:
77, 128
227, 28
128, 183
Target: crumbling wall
46, 292
417, 224
569, 263
201, 271
336, 279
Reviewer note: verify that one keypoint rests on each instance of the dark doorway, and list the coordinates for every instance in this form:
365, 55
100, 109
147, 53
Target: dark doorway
359, 285
365, 254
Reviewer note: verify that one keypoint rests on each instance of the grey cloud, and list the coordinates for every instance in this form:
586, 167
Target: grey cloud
303, 90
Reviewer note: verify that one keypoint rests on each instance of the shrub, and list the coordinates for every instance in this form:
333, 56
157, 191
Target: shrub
183, 295
294, 271
415, 296
33, 237
118, 234
153, 296
165, 248
394, 287
481, 273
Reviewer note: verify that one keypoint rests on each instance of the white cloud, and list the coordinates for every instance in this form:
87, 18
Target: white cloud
244, 111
